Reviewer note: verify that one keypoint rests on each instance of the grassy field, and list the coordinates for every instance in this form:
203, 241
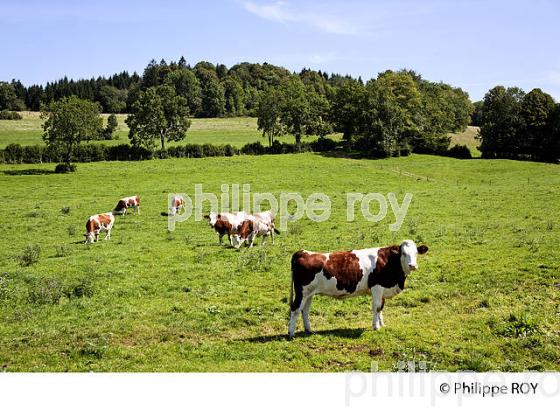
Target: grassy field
485, 296
235, 131
467, 138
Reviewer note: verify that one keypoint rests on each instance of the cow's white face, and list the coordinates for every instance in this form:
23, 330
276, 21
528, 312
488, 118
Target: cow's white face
89, 237
212, 218
409, 254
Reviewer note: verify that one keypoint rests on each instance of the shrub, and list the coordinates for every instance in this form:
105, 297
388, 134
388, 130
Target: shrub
13, 154
229, 151
210, 150
161, 154
89, 153
193, 151
32, 154
65, 168
30, 255
323, 145
10, 115
459, 151
253, 148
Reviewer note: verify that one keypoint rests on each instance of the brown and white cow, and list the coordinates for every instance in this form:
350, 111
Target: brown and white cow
99, 223
255, 225
226, 223
380, 272
176, 203
128, 202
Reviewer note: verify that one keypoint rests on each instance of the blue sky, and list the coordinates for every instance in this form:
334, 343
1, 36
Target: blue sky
472, 44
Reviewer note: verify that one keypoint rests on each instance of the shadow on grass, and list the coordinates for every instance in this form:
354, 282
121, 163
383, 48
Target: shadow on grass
343, 333
28, 172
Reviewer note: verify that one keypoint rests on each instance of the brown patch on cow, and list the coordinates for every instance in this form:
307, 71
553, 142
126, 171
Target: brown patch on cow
246, 228
222, 227
306, 265
345, 268
91, 225
104, 219
137, 200
388, 269
180, 201
304, 268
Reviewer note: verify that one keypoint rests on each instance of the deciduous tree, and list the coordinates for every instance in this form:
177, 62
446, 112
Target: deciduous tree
68, 122
161, 114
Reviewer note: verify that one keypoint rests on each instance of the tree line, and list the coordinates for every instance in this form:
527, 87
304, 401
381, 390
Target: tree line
518, 125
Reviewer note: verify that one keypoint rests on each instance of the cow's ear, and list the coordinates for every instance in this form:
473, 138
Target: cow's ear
206, 216
422, 249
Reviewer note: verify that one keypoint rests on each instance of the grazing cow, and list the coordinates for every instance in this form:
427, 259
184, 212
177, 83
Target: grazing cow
177, 202
128, 202
379, 271
251, 228
226, 223
99, 223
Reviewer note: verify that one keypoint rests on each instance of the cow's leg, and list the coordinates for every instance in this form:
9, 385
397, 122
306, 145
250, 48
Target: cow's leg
381, 312
138, 209
272, 235
295, 308
220, 236
97, 237
376, 302
108, 235
305, 313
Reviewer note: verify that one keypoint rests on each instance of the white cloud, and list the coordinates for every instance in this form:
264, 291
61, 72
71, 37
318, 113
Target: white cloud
281, 12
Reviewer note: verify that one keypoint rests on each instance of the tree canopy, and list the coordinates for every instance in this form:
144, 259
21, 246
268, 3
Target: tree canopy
159, 113
68, 122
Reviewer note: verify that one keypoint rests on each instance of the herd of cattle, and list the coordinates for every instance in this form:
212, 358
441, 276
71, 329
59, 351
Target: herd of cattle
381, 271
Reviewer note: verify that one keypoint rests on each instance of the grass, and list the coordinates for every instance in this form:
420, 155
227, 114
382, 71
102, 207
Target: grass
235, 131
467, 138
484, 297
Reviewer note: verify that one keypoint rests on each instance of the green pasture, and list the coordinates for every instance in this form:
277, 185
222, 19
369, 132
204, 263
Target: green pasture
236, 131
485, 297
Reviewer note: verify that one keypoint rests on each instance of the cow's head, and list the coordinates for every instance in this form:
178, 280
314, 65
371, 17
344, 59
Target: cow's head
212, 218
408, 252
90, 236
